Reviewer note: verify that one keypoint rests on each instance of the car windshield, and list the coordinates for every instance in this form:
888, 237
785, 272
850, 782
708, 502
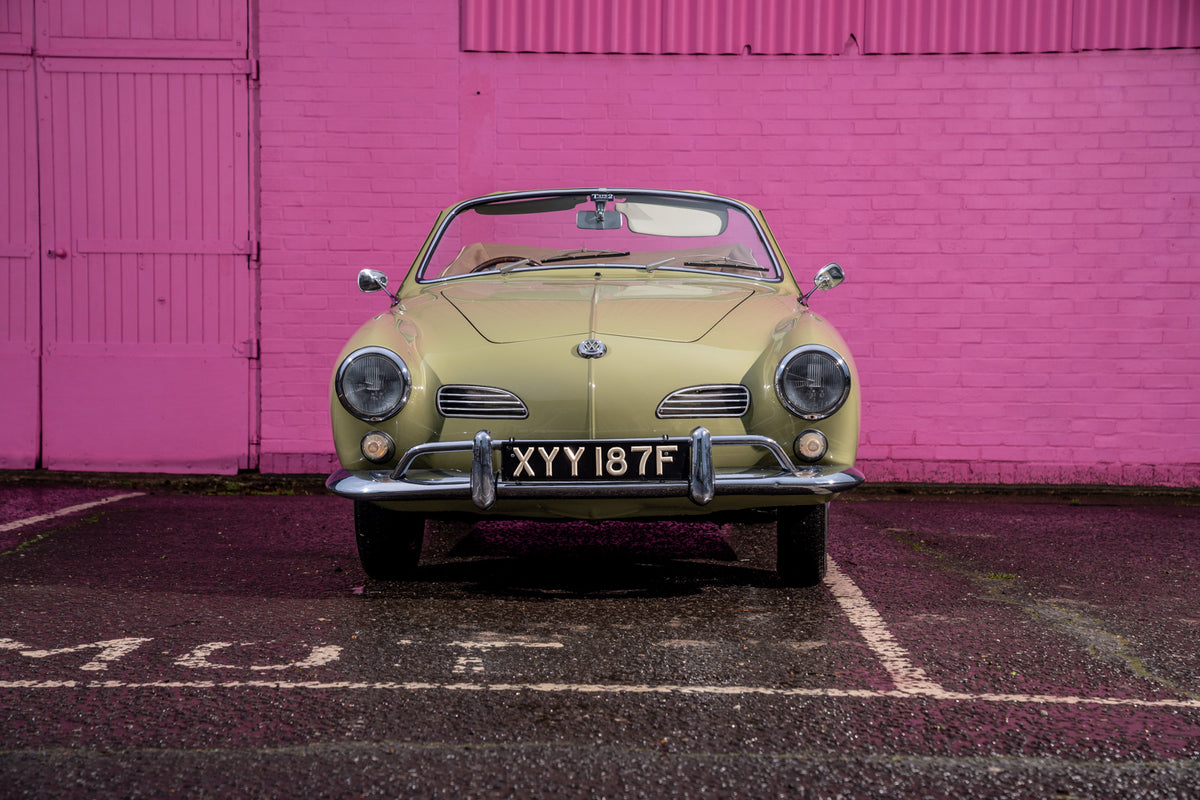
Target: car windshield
647, 232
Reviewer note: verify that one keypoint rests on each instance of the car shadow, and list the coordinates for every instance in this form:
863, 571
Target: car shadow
576, 559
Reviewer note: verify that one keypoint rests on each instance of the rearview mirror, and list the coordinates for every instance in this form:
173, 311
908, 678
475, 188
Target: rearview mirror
598, 220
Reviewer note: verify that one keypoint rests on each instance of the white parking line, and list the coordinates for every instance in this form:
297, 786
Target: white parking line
63, 512
602, 688
909, 678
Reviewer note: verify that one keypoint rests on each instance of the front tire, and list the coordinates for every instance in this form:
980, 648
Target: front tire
800, 544
389, 542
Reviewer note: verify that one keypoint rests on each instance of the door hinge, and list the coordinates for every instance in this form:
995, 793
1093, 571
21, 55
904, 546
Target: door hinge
247, 67
247, 348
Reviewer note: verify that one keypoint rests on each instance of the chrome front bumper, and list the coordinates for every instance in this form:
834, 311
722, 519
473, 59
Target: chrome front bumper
483, 486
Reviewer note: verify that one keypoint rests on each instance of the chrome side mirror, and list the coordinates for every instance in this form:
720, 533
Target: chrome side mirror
827, 277
372, 280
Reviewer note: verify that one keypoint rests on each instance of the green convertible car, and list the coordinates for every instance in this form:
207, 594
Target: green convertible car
595, 354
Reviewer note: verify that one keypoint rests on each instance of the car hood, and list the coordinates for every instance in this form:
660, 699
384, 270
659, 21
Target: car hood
666, 310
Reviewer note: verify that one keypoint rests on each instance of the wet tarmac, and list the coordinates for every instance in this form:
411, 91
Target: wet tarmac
197, 639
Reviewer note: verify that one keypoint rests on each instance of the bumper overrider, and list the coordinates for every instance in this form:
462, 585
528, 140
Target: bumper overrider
484, 486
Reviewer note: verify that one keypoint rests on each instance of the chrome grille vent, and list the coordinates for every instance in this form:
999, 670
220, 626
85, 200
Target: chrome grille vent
484, 402
706, 401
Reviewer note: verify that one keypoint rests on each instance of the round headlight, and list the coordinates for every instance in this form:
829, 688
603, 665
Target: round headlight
373, 383
813, 381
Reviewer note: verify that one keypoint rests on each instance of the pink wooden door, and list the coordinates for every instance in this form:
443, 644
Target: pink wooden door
147, 294
19, 319
147, 290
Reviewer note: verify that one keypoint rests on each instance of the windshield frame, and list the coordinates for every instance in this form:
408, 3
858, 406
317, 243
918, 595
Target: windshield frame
774, 270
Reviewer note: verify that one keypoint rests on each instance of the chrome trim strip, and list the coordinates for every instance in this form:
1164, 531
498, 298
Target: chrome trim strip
483, 488
468, 401
705, 401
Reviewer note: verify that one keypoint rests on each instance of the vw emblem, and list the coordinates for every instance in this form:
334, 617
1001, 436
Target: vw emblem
592, 348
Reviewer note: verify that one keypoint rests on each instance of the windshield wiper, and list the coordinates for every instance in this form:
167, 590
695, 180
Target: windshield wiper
579, 255
726, 261
504, 269
657, 264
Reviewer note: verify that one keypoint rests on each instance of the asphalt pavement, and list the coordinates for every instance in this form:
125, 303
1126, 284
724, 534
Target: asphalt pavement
217, 638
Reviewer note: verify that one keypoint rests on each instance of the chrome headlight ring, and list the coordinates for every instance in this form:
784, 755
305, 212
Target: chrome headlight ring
373, 384
813, 381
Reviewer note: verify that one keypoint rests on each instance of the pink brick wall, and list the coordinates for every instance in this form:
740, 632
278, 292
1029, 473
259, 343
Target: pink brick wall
1021, 233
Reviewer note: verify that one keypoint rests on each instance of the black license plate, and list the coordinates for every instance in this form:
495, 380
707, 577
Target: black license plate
634, 460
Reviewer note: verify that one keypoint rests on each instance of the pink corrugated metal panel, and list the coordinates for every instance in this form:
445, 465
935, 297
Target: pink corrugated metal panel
555, 26
817, 26
1134, 24
659, 26
824, 26
967, 26
766, 27
143, 28
621, 27
19, 323
148, 305
16, 26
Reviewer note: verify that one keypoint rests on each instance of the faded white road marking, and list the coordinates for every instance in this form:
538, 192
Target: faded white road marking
492, 641
110, 650
63, 512
908, 677
910, 680
114, 649
198, 657
585, 688
488, 641
319, 657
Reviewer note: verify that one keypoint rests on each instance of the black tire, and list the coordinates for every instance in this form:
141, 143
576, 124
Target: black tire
389, 542
800, 544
